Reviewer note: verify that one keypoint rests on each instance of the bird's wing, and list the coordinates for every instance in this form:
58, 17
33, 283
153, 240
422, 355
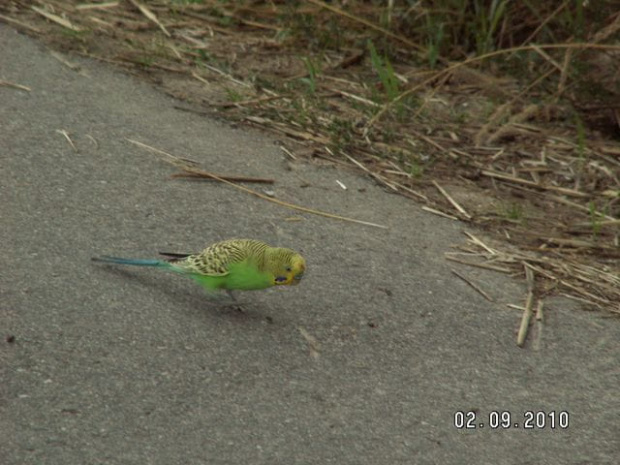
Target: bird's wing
214, 260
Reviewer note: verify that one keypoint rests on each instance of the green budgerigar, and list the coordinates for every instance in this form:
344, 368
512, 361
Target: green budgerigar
235, 264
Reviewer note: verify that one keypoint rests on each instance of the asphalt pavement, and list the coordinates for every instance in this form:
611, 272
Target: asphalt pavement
367, 361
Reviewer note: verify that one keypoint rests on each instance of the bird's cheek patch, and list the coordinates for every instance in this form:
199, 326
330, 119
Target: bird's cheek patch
281, 280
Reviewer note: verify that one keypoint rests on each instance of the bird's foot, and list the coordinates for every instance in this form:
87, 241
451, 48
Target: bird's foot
226, 300
234, 302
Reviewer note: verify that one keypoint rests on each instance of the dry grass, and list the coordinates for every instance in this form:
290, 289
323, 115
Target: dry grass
511, 131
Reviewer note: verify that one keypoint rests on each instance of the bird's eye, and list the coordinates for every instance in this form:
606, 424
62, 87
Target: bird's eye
288, 269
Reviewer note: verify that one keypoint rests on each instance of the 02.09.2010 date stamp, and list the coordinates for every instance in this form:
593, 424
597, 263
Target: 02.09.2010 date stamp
528, 420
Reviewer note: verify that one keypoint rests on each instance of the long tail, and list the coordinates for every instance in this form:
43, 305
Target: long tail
130, 261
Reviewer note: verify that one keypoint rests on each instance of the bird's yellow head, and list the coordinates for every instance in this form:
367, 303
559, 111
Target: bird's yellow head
290, 268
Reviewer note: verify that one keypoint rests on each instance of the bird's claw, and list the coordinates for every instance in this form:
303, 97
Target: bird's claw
228, 300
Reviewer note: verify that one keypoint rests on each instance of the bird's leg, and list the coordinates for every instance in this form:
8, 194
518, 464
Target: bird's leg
235, 301
221, 299
228, 300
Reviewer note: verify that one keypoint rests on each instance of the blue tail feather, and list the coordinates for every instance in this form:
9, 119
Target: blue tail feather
129, 261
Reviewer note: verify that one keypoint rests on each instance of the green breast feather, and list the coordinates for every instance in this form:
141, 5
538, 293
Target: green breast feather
241, 276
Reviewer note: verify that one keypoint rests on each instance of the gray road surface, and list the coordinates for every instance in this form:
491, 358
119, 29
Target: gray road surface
134, 366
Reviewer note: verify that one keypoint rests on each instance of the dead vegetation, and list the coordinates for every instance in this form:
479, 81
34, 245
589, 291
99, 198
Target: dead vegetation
495, 114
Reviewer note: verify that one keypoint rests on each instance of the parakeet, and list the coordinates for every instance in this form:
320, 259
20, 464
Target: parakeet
235, 264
